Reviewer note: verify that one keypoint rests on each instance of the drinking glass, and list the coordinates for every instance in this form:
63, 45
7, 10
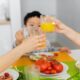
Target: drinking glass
32, 73
47, 24
35, 30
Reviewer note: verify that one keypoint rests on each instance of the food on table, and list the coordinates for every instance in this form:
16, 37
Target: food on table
64, 49
56, 54
6, 76
37, 31
62, 56
49, 66
46, 57
42, 55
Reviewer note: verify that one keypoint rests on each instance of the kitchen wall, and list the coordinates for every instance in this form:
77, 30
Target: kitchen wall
15, 15
5, 39
46, 7
8, 29
69, 12
66, 10
5, 28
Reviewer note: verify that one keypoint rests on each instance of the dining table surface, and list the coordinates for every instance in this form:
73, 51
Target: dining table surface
69, 59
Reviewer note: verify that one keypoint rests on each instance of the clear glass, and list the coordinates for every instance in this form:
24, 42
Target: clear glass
47, 24
34, 30
32, 73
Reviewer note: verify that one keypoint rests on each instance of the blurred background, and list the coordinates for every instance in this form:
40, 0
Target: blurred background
12, 13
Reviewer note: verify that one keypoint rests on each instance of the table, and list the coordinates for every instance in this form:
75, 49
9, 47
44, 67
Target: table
75, 54
69, 59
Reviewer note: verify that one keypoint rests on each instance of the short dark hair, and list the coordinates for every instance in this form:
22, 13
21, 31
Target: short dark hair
30, 15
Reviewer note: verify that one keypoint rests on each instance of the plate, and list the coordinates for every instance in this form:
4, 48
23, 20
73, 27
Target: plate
65, 69
77, 64
12, 72
36, 56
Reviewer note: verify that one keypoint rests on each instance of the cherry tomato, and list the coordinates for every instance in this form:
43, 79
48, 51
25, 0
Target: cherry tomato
53, 71
50, 68
40, 61
54, 62
47, 72
43, 67
56, 54
6, 74
58, 67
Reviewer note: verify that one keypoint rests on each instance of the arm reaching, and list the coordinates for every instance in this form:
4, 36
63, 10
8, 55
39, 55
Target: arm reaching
67, 31
28, 45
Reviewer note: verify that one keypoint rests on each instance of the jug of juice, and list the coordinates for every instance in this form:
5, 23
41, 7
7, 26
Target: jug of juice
47, 25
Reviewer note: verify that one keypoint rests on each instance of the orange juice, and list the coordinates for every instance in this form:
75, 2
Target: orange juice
48, 27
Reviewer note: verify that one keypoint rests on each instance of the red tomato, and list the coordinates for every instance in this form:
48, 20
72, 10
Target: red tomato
49, 56
43, 67
6, 74
54, 62
48, 64
53, 71
58, 67
56, 54
39, 62
50, 68
43, 55
47, 72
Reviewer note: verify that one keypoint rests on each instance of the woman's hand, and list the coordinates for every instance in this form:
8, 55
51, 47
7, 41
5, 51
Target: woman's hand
67, 31
61, 28
33, 43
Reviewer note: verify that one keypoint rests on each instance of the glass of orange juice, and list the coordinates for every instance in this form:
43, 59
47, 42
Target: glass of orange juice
47, 25
37, 31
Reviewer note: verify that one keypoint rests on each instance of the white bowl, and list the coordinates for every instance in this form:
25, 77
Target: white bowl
65, 69
12, 72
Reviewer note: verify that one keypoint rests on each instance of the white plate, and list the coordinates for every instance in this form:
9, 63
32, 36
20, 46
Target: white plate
65, 69
77, 64
12, 72
46, 53
36, 56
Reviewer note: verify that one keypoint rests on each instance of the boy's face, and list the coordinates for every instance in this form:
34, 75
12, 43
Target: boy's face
33, 21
